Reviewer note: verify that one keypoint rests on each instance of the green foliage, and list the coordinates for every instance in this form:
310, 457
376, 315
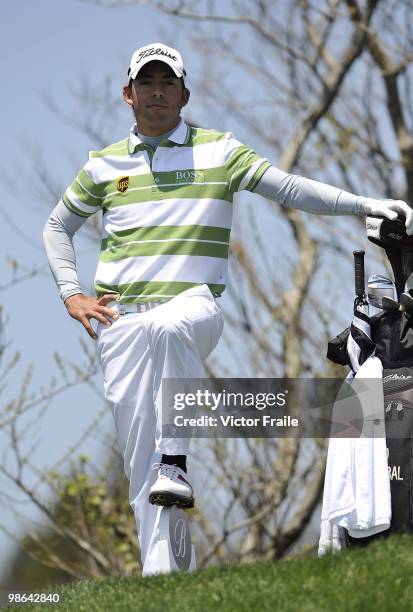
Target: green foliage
101, 512
95, 509
374, 578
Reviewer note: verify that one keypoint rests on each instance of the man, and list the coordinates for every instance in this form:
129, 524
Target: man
166, 196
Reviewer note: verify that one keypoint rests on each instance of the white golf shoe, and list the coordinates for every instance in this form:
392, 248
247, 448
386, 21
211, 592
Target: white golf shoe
171, 488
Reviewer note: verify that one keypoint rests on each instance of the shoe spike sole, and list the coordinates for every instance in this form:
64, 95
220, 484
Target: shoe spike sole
167, 500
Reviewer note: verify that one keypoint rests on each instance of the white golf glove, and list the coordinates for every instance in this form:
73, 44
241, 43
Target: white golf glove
390, 209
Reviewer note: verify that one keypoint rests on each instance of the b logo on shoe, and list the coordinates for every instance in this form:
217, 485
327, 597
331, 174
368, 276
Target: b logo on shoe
180, 538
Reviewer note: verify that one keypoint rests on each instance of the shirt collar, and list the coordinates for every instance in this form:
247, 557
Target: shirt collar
178, 136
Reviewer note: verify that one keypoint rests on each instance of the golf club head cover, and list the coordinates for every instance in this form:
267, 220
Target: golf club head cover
391, 236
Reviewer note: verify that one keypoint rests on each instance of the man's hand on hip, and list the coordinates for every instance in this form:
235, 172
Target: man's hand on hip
84, 307
391, 209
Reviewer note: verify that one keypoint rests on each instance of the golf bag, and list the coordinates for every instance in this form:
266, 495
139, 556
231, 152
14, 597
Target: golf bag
391, 334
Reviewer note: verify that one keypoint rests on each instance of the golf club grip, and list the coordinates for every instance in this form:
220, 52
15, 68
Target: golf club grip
359, 272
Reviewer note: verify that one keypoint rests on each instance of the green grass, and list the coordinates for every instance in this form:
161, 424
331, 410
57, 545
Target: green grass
379, 578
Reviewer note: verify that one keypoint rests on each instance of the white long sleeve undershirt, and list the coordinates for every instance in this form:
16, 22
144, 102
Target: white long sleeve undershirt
298, 192
286, 189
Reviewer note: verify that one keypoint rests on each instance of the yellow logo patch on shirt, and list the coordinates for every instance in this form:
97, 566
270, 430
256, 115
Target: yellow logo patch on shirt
123, 183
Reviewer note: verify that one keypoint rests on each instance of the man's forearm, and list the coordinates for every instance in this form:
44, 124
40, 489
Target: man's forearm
58, 241
311, 196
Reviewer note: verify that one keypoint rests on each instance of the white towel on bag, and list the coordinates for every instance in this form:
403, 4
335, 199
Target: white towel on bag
357, 484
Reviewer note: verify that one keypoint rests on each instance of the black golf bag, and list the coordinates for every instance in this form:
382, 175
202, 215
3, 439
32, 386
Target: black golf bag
392, 335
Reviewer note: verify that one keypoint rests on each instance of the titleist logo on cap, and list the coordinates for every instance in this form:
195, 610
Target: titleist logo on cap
155, 51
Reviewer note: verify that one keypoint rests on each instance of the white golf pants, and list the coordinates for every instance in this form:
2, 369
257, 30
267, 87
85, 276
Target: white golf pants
135, 353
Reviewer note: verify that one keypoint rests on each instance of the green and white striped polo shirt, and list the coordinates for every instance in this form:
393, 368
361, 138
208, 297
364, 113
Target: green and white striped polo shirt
167, 213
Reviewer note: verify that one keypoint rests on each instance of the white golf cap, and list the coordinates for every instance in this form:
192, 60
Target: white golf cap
156, 52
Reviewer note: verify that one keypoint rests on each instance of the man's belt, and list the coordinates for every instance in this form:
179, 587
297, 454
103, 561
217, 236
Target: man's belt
123, 309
